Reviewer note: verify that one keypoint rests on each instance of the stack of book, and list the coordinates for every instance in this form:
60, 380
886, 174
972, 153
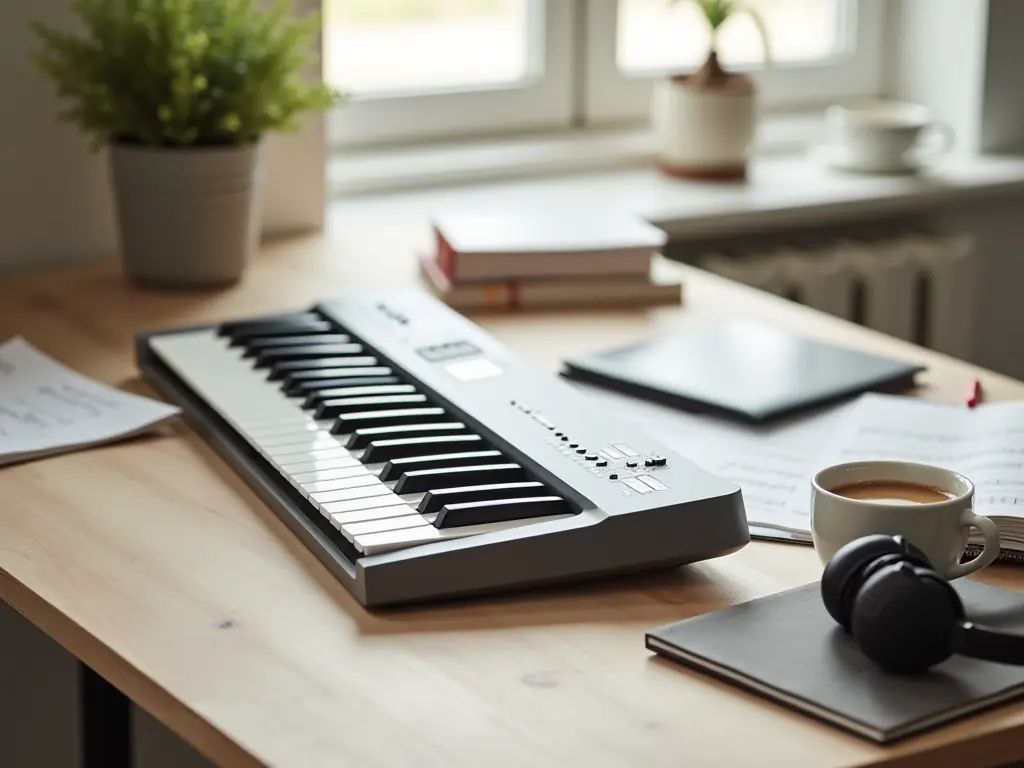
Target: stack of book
509, 261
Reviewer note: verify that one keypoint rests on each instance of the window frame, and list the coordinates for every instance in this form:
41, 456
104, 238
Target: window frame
542, 99
854, 72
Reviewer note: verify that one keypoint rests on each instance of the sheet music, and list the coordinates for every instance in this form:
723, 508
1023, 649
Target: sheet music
985, 443
769, 463
46, 408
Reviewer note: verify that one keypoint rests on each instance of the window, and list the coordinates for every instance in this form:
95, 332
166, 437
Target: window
422, 68
418, 69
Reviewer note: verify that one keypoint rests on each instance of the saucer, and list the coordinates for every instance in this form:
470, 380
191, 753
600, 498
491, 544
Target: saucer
838, 158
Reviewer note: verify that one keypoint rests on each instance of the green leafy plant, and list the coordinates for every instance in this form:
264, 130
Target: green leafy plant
718, 12
183, 72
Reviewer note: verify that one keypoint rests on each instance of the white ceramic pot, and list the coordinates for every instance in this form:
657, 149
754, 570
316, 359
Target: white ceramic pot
703, 133
187, 217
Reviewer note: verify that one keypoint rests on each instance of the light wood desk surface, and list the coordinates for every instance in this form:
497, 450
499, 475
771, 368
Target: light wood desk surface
154, 564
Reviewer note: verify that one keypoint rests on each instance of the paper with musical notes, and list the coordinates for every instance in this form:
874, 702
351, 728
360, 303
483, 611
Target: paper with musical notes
769, 463
986, 444
46, 408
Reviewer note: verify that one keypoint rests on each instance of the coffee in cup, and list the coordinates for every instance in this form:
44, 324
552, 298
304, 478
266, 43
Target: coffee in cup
892, 491
930, 506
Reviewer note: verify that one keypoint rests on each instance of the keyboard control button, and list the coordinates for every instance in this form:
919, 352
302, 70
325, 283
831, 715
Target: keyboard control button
613, 476
631, 464
636, 485
653, 482
581, 451
602, 463
591, 457
648, 462
660, 461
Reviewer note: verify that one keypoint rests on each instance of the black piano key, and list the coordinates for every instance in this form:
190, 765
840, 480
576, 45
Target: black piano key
303, 386
350, 422
259, 343
363, 437
421, 480
276, 355
328, 409
231, 326
500, 511
313, 399
395, 468
320, 369
292, 328
401, 448
437, 498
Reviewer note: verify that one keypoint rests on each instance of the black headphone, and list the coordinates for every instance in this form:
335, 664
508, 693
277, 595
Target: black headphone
902, 614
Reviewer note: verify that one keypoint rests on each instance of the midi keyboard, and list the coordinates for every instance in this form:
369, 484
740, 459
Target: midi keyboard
419, 459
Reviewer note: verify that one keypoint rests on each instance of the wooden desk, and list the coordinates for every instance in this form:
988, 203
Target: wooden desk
156, 566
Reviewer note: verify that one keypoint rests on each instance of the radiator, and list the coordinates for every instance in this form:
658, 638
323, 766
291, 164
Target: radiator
917, 287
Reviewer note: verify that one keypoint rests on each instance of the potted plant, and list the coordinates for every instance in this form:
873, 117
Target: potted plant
704, 123
182, 94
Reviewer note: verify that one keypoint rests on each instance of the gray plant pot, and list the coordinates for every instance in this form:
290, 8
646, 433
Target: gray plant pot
188, 217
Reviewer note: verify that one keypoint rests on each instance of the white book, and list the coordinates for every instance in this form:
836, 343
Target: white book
506, 245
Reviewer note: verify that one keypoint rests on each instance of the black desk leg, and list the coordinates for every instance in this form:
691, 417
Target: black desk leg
106, 723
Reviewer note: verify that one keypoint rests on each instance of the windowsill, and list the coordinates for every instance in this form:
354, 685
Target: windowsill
782, 191
422, 166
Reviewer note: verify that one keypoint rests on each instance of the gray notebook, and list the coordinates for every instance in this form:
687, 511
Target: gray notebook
787, 648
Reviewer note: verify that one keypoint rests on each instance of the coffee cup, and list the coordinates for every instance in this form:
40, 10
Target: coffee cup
884, 136
930, 506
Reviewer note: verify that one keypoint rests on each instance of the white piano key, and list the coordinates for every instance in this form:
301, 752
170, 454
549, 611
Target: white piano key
318, 445
351, 494
388, 541
298, 435
354, 480
310, 479
374, 513
352, 488
301, 457
334, 508
399, 522
316, 465
289, 429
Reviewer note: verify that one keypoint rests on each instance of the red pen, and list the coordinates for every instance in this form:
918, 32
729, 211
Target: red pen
973, 396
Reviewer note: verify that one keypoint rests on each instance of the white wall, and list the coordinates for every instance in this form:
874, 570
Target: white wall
937, 57
55, 203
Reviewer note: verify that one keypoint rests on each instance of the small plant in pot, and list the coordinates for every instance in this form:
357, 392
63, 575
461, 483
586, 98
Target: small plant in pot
704, 123
182, 93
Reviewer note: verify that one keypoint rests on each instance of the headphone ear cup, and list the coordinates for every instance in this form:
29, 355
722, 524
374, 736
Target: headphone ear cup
903, 618
845, 572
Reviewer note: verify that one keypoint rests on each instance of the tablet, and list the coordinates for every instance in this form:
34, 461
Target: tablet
741, 369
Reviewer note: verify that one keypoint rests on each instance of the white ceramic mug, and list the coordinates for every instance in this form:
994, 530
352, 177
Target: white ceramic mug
940, 529
884, 135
